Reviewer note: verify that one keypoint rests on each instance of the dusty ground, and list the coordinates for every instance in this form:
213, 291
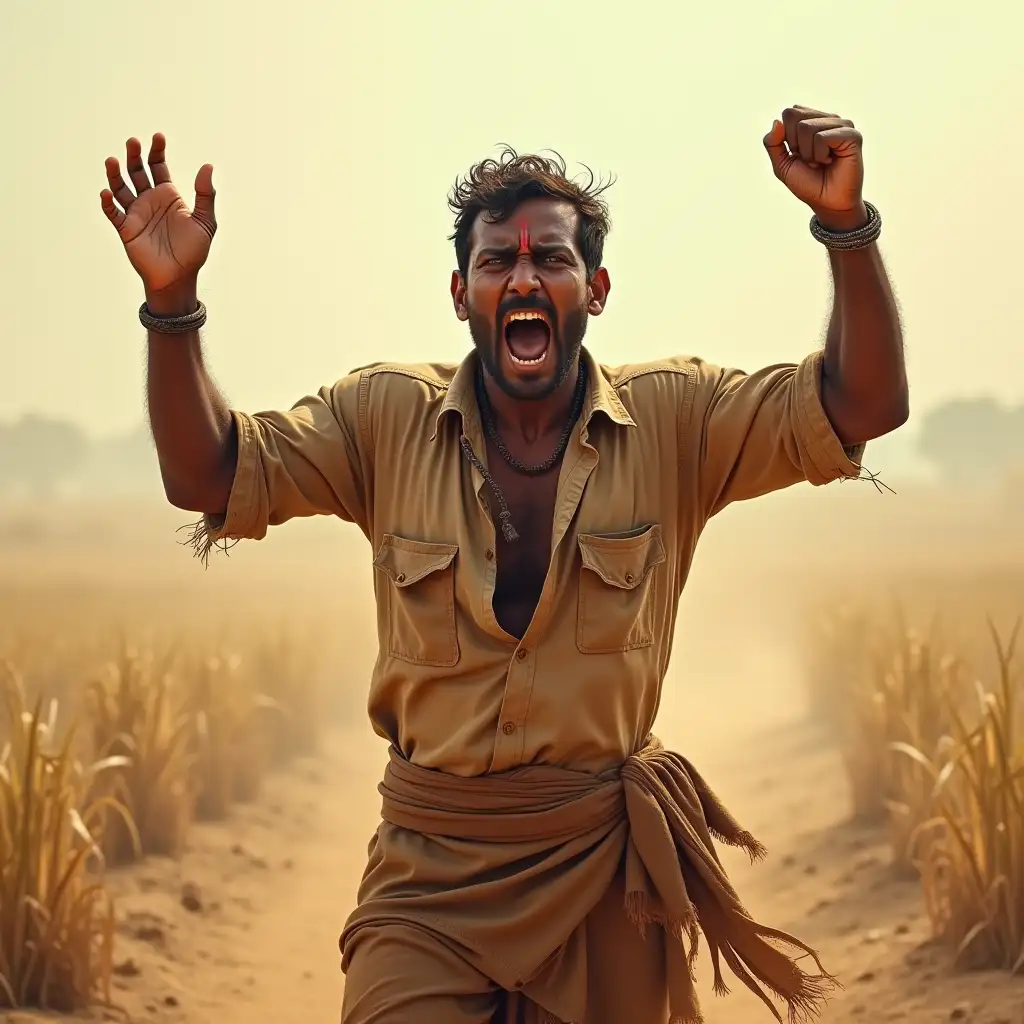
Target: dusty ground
245, 928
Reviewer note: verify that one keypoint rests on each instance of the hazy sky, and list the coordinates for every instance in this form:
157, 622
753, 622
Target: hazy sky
336, 129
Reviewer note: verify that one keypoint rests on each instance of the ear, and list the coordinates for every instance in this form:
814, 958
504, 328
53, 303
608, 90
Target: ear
459, 296
597, 292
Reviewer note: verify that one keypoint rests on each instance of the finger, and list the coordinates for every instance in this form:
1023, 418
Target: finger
840, 142
122, 193
807, 131
205, 196
157, 160
778, 152
113, 214
791, 118
133, 164
811, 111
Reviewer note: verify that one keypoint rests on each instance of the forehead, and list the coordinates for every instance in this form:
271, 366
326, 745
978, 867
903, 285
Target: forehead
547, 220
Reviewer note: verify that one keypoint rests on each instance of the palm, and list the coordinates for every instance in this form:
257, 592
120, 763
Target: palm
165, 242
162, 239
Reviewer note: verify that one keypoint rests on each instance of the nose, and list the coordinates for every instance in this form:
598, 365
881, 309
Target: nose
524, 280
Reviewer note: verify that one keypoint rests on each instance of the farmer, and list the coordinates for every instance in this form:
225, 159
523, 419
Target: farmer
532, 516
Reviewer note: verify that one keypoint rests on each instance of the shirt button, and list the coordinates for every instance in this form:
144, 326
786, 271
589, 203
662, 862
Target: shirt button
629, 577
489, 555
400, 577
520, 654
508, 728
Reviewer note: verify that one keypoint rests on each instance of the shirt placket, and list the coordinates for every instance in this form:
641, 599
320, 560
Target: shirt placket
474, 434
522, 672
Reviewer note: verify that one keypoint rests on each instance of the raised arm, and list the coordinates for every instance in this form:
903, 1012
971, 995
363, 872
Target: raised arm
760, 432
819, 158
243, 472
167, 244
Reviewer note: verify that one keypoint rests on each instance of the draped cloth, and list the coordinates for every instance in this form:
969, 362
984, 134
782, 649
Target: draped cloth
534, 849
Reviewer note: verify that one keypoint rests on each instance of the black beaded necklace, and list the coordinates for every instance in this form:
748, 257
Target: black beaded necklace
491, 427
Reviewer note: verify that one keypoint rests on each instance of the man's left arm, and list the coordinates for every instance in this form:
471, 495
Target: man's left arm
863, 374
763, 431
819, 158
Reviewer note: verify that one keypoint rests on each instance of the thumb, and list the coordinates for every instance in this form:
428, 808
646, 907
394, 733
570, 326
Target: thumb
205, 195
775, 144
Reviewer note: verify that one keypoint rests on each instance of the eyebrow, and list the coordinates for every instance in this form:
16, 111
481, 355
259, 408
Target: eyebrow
510, 250
496, 250
549, 247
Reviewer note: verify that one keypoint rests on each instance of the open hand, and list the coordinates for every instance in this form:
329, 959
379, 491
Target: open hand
165, 241
817, 156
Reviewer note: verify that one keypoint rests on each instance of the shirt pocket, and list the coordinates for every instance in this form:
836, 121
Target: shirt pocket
616, 607
420, 599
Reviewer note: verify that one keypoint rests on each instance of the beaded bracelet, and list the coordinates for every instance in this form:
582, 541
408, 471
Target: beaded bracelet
858, 238
173, 324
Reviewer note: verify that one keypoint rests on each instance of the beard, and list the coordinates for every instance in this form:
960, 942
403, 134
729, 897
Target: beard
565, 345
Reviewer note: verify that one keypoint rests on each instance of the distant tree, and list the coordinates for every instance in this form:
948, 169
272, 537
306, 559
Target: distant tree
38, 454
973, 439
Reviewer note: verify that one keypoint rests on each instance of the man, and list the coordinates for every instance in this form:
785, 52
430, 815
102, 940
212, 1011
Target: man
532, 516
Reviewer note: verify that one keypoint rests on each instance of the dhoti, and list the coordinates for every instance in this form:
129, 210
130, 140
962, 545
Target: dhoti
545, 895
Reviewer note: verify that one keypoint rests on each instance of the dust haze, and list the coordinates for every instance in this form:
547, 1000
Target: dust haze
273, 883
761, 569
335, 131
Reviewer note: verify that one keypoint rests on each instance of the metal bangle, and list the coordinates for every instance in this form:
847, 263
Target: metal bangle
173, 324
858, 238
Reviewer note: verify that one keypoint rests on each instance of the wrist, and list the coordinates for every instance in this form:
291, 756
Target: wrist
843, 220
178, 299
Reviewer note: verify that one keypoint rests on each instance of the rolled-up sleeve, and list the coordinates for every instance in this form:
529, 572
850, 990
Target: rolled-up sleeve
305, 461
764, 431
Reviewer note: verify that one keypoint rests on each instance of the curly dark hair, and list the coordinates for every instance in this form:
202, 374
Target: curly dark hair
498, 186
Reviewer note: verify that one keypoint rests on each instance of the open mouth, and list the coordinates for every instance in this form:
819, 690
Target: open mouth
527, 337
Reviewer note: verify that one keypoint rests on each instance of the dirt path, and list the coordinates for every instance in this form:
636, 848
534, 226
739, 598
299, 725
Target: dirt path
245, 930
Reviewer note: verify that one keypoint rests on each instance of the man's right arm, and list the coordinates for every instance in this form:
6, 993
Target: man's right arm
287, 464
195, 434
242, 472
245, 472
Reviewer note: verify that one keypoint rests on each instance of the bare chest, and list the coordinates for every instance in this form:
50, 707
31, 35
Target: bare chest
522, 563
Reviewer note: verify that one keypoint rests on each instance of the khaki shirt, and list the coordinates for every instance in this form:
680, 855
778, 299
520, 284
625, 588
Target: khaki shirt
659, 448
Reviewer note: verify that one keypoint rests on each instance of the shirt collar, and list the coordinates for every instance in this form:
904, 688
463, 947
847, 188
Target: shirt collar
601, 396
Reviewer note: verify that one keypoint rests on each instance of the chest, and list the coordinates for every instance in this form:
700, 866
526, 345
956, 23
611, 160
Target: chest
601, 501
522, 564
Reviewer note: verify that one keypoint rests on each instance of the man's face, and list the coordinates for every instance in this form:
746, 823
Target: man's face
527, 298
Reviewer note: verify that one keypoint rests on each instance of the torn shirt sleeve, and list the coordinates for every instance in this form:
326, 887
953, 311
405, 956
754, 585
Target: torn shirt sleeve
764, 431
305, 461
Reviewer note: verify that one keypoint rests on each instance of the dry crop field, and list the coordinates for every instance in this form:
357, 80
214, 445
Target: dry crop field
920, 682
139, 697
144, 703
116, 740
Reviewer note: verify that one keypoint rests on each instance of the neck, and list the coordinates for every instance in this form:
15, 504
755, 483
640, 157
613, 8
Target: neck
533, 419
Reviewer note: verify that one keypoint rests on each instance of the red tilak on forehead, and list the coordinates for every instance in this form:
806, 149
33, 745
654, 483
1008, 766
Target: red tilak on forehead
524, 237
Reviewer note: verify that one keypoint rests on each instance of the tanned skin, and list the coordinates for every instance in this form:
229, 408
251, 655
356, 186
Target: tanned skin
530, 261
819, 158
167, 245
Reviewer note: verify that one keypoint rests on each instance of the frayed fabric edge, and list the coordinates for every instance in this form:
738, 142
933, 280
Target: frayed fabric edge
867, 476
804, 1007
201, 543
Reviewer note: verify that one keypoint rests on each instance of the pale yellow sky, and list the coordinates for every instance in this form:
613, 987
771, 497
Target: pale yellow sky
336, 129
